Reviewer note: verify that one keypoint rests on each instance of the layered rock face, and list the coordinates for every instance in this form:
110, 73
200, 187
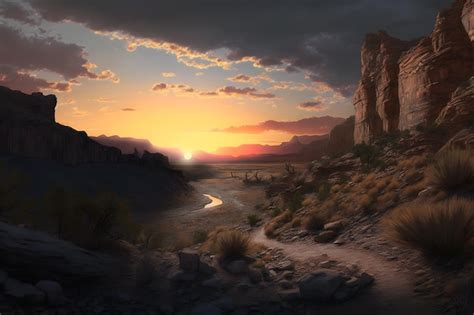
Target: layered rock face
376, 99
402, 87
468, 18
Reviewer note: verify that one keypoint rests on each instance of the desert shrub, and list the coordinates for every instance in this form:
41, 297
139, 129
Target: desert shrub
296, 201
145, 271
453, 170
324, 190
87, 221
232, 245
315, 220
199, 236
253, 219
270, 229
443, 229
366, 153
283, 218
296, 222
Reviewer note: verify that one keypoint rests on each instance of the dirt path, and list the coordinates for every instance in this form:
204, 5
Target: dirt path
391, 294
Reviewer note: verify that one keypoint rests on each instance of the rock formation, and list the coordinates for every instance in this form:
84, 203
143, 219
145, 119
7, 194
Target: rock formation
376, 99
402, 87
340, 138
28, 129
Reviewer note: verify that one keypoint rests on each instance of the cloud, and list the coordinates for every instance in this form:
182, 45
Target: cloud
28, 83
168, 74
324, 40
184, 89
311, 106
307, 126
17, 12
23, 55
232, 90
128, 109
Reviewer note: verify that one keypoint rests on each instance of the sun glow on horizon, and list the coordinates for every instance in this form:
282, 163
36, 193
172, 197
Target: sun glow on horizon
187, 156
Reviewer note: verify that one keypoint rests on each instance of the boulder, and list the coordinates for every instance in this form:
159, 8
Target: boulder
335, 226
325, 236
237, 267
52, 290
320, 286
24, 292
189, 260
40, 256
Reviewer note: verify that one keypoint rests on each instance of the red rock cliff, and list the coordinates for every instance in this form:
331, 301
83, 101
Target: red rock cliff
402, 87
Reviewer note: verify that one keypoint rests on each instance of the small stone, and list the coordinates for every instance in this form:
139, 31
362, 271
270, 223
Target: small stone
285, 284
352, 282
237, 267
326, 264
335, 226
287, 275
255, 275
53, 291
339, 241
23, 291
206, 269
286, 265
189, 260
366, 279
213, 283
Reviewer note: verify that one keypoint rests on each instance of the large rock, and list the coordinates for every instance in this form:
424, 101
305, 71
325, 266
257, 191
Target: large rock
463, 140
35, 255
341, 139
321, 286
24, 292
52, 290
459, 112
432, 70
406, 84
189, 260
376, 99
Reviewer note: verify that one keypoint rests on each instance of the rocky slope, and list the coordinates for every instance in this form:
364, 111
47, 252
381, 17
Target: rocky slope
405, 84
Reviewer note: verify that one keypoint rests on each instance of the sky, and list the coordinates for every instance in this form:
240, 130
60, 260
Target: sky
189, 73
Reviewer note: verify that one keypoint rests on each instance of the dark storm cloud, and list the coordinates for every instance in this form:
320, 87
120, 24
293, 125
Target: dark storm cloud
321, 37
15, 11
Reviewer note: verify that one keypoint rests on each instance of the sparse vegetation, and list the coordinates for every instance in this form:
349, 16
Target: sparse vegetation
367, 154
316, 220
253, 219
232, 245
453, 171
324, 190
199, 236
443, 229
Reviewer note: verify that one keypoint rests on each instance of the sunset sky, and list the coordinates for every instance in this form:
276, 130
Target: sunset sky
179, 73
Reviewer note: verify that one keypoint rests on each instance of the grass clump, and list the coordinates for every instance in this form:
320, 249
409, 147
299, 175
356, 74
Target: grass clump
315, 221
324, 191
232, 245
444, 229
453, 170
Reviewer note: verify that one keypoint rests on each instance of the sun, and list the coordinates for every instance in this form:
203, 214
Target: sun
188, 156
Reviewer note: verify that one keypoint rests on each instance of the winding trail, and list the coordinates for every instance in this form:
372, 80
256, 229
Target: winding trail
392, 292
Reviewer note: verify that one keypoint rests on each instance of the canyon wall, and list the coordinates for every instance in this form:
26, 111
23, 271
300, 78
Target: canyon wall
28, 129
404, 84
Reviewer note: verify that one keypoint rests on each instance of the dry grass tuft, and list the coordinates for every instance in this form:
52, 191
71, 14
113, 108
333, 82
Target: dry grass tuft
453, 170
232, 245
315, 220
444, 229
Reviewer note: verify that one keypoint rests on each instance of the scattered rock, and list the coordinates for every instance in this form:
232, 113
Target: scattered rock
255, 275
335, 226
206, 269
326, 264
285, 284
213, 283
321, 285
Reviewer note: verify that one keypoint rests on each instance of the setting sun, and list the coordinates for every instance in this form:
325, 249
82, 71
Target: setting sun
188, 156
